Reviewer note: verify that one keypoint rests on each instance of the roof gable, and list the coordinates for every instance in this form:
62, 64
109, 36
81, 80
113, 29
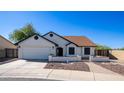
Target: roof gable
59, 36
37, 35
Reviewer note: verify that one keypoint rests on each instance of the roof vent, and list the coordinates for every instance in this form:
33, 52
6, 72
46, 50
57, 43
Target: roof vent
51, 35
36, 37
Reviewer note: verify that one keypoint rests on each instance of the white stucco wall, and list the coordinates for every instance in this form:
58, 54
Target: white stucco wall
79, 52
58, 40
92, 51
65, 59
42, 46
99, 59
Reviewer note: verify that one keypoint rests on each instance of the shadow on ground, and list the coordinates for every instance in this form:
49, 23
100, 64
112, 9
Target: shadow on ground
112, 57
7, 60
36, 60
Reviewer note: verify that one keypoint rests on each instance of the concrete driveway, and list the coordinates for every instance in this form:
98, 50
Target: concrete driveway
35, 69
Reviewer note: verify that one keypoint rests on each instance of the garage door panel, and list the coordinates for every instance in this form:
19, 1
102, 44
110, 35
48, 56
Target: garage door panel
36, 53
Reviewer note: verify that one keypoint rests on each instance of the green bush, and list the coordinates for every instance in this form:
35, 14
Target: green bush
102, 47
122, 48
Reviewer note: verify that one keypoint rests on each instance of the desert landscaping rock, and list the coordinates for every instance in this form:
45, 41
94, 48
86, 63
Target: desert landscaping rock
115, 67
80, 66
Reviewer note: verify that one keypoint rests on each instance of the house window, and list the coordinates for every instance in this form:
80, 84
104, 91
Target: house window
51, 35
71, 50
87, 51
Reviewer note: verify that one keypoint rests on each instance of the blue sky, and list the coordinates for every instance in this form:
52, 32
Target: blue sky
105, 28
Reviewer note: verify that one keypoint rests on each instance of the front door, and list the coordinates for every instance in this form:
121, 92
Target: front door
59, 51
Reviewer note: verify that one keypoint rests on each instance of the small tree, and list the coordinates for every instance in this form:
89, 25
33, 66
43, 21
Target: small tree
22, 33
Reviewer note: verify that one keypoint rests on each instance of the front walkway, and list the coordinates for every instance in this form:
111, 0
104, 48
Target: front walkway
24, 69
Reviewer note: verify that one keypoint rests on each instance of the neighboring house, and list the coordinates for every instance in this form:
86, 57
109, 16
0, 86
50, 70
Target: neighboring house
4, 43
40, 47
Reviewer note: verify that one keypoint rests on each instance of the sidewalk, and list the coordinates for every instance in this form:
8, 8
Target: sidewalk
66, 75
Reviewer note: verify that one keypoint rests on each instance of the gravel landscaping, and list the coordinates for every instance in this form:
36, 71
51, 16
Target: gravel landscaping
80, 66
115, 67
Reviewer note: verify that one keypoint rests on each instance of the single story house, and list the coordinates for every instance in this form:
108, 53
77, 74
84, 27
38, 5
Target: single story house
40, 47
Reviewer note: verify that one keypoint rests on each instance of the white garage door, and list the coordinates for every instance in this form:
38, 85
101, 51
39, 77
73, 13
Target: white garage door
36, 53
